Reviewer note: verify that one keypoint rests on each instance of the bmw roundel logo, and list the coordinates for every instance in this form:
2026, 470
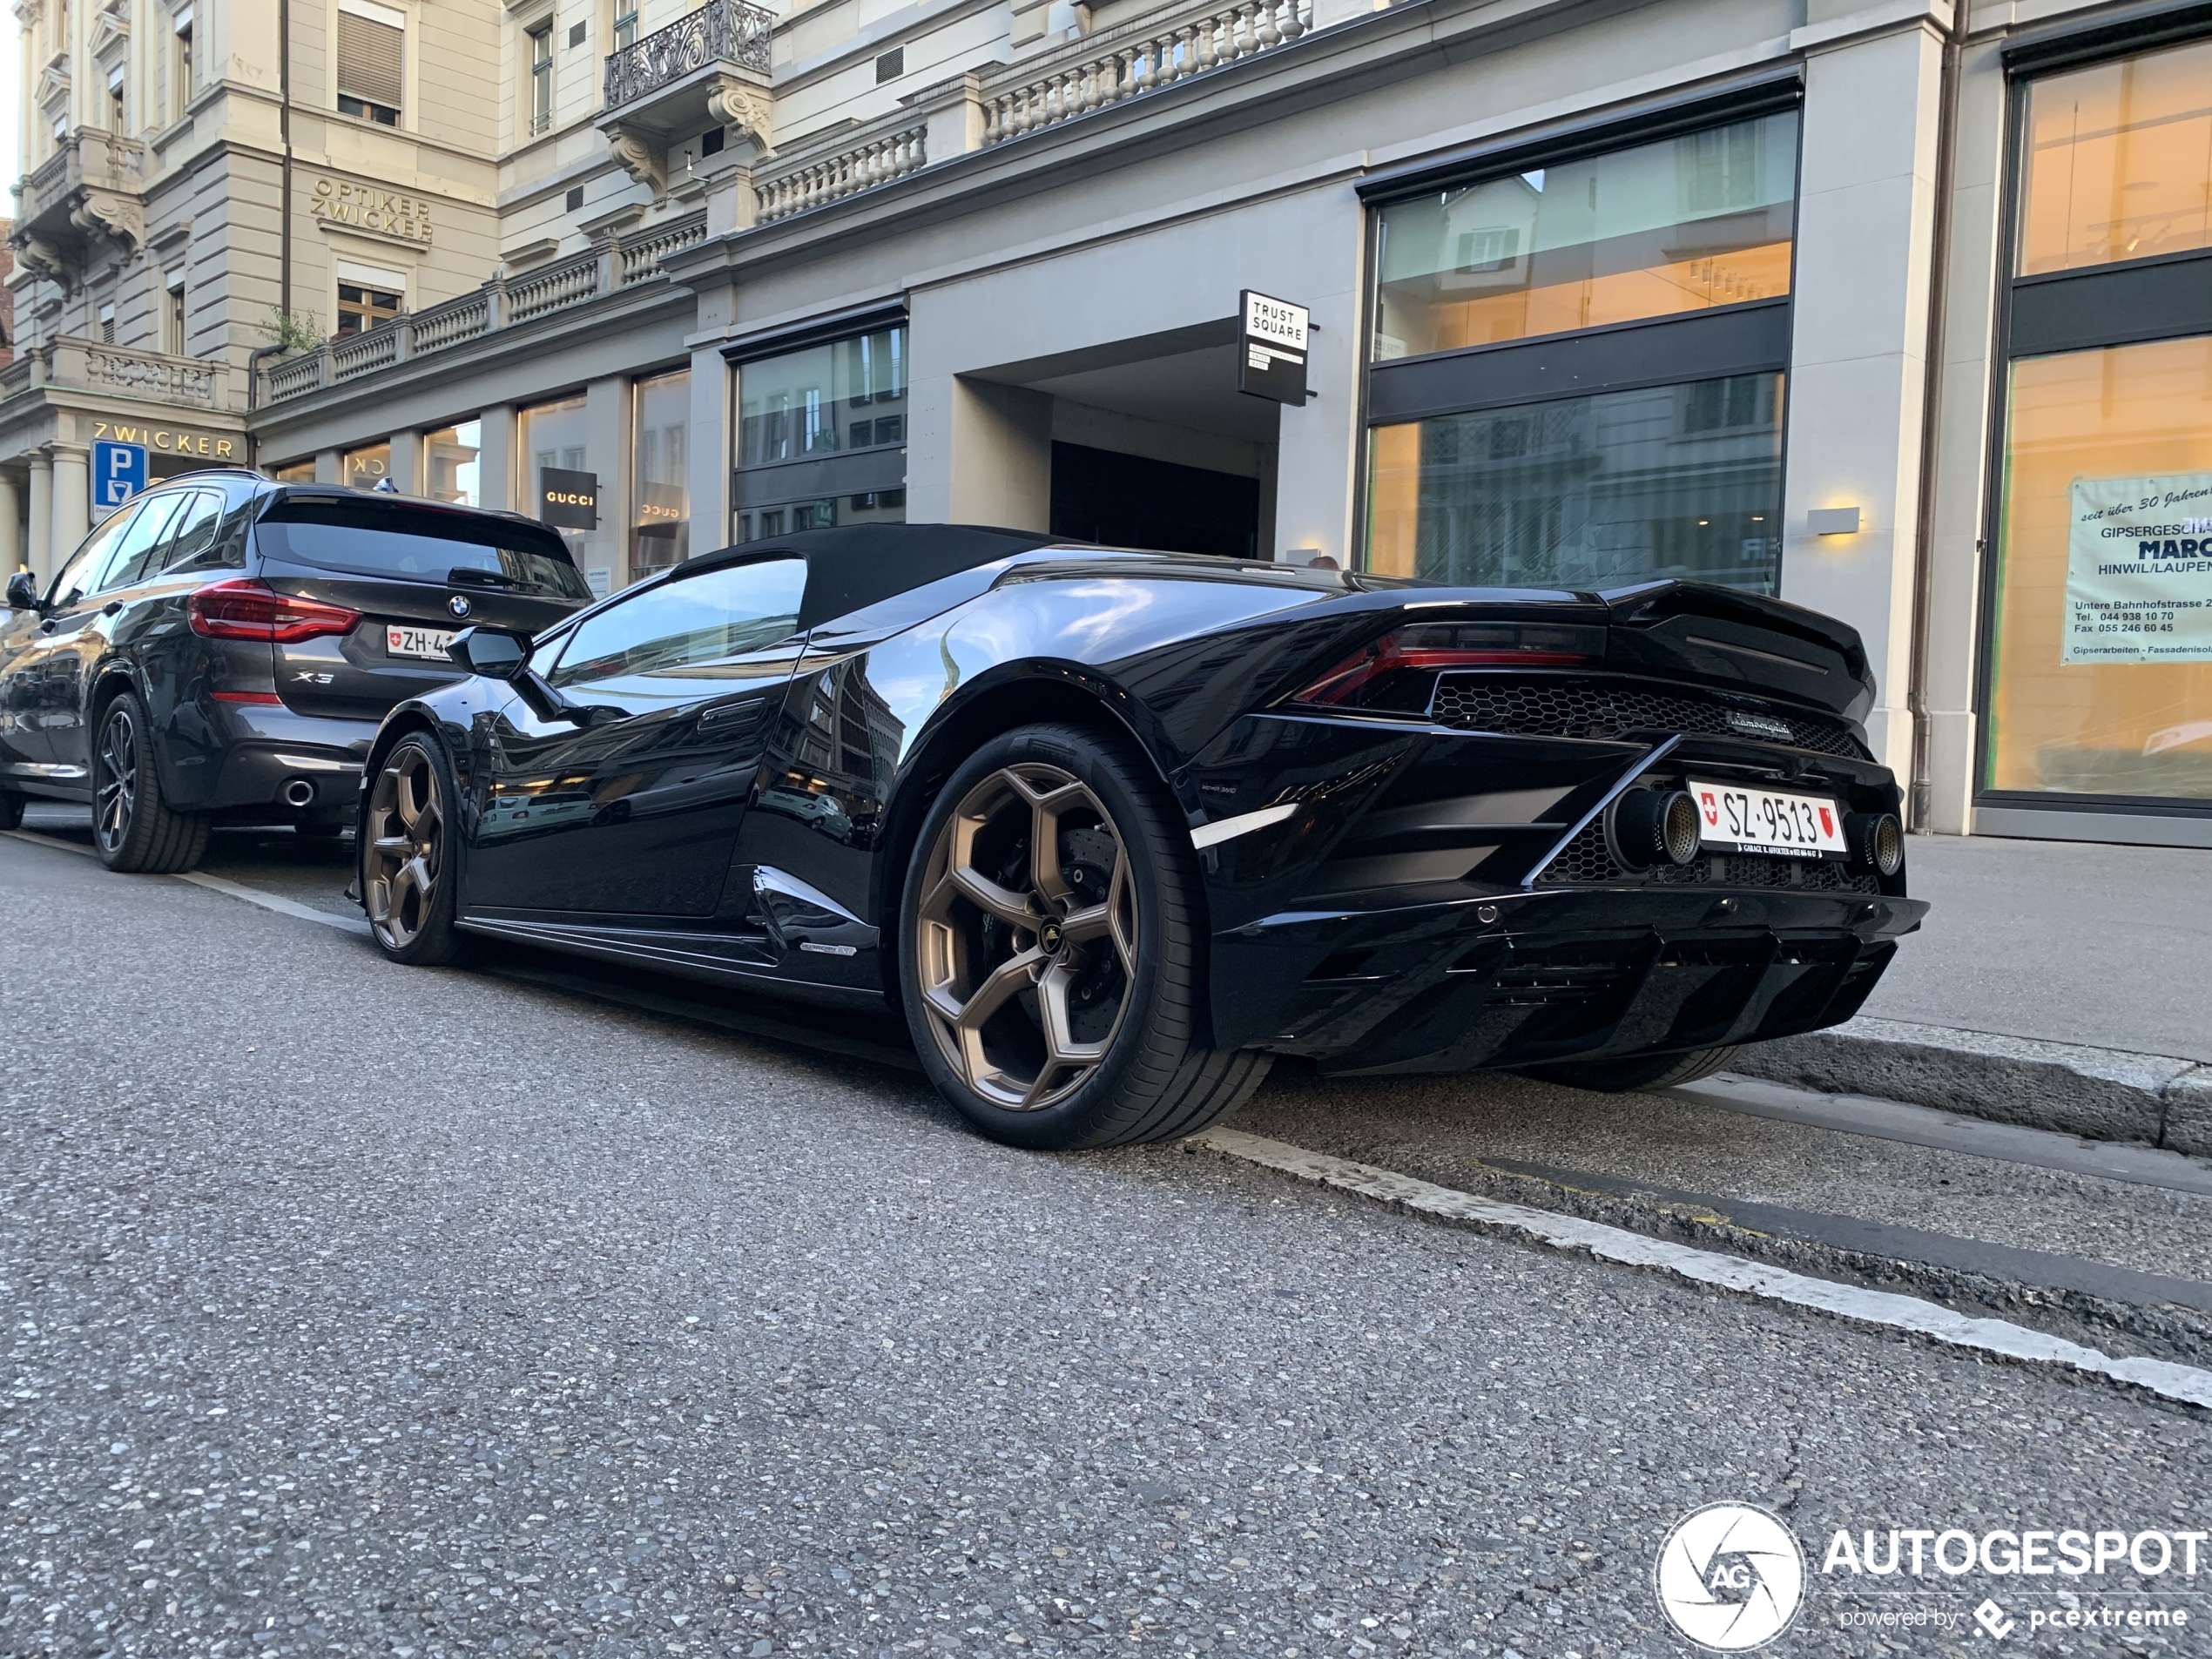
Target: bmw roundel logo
458, 604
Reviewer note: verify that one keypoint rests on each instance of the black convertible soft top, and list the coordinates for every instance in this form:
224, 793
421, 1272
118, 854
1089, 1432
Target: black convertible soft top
857, 566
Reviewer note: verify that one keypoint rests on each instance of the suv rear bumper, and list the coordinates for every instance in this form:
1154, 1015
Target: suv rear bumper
268, 756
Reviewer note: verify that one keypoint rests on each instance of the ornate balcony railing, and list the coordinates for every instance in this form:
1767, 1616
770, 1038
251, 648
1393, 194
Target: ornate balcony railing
1139, 58
94, 365
722, 31
614, 264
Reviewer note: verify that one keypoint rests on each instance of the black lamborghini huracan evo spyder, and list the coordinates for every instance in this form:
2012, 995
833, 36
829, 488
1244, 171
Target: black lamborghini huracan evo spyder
1114, 829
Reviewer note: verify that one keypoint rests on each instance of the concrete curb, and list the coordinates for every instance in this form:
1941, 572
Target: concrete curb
2100, 1094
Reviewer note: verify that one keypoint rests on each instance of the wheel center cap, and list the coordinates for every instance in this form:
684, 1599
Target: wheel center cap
1050, 937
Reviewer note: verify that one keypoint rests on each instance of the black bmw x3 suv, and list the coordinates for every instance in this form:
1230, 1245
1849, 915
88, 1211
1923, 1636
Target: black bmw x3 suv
221, 649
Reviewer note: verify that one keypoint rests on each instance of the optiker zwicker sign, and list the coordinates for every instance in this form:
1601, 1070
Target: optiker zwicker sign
568, 501
1271, 351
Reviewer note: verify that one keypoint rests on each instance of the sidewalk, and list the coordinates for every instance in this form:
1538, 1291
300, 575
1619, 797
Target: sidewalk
2058, 983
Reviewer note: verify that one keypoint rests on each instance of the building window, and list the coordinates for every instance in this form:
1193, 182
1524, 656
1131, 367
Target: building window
625, 27
2114, 162
555, 437
1480, 472
107, 325
449, 463
174, 334
117, 115
361, 307
2098, 681
1686, 223
180, 63
368, 465
540, 78
372, 59
822, 436
660, 519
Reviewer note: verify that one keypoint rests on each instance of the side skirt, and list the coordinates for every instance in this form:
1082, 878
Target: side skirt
724, 959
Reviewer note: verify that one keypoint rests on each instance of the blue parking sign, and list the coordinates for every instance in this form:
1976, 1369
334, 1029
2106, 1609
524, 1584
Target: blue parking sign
119, 473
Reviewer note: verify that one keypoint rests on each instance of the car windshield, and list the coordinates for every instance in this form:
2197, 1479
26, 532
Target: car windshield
420, 544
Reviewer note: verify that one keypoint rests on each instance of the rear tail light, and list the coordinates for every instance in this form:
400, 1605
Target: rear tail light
246, 696
1876, 840
247, 610
1430, 648
1650, 827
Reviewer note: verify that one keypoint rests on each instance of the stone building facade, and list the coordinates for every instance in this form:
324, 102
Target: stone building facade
1898, 308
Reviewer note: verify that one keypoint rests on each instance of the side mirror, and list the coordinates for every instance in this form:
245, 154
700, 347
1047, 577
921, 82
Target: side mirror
23, 592
486, 652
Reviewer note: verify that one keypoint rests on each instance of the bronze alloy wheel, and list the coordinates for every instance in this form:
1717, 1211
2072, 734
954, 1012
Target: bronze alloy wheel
1027, 944
405, 834
115, 798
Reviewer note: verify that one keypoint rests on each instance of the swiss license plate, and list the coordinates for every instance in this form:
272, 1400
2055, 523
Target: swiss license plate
1738, 820
430, 642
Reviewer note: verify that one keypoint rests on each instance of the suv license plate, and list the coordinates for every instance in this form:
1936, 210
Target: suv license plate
430, 642
1736, 819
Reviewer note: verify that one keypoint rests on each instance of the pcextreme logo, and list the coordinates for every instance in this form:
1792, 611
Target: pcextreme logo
1730, 1577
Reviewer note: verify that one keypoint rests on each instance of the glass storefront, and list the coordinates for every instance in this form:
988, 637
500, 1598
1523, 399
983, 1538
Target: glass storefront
450, 463
1686, 223
822, 437
294, 472
2099, 675
1586, 492
660, 517
368, 465
554, 434
1512, 444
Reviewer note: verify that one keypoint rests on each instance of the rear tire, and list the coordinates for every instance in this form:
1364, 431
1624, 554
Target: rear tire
405, 850
1057, 996
1643, 1074
133, 829
11, 805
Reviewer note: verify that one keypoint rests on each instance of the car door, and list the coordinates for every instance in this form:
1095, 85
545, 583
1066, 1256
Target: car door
37, 693
637, 812
84, 631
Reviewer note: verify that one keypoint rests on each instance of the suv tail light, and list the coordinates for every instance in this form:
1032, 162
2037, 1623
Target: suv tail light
244, 609
1429, 648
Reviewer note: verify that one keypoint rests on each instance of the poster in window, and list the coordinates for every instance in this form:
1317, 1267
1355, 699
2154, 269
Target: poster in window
2138, 570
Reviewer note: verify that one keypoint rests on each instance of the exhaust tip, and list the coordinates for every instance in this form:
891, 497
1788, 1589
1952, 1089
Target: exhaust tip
298, 793
1876, 840
1649, 826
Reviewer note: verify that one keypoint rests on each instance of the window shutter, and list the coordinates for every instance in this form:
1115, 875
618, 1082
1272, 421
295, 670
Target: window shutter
369, 56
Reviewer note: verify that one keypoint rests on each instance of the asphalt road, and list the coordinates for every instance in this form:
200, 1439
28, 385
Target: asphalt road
361, 1310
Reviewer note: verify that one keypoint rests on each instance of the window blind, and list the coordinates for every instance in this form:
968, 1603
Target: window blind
369, 59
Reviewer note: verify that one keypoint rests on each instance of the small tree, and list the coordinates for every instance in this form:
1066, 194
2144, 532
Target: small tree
293, 330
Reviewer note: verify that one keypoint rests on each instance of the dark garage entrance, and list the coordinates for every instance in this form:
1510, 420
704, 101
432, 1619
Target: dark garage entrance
1132, 501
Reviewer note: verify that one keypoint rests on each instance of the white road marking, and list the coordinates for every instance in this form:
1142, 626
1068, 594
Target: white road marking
1229, 829
1883, 1308
37, 839
282, 907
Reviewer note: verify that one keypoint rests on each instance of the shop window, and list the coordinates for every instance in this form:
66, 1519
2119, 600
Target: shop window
361, 308
821, 437
372, 57
2102, 661
449, 463
660, 519
369, 466
294, 472
1586, 492
2117, 162
555, 435
1687, 224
